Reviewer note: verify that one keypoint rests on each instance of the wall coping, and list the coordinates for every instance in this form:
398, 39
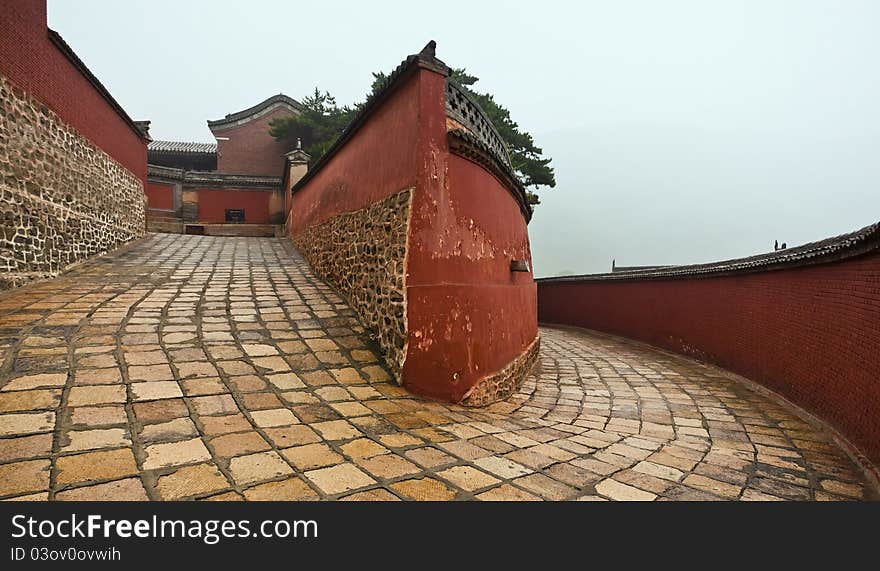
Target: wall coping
425, 59
156, 173
831, 249
80, 66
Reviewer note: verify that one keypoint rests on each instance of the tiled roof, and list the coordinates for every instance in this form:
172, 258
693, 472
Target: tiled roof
217, 179
830, 249
233, 117
181, 147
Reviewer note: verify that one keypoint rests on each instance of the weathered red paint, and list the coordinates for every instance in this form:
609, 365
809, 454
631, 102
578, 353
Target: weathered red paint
468, 315
160, 195
34, 64
810, 333
250, 148
464, 233
213, 203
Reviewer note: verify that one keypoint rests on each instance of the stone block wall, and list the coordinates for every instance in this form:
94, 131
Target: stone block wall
62, 199
363, 254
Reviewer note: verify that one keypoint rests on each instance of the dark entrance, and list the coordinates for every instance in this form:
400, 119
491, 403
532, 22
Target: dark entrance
235, 216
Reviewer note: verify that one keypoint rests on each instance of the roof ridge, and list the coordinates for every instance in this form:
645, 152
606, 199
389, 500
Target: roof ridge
277, 98
166, 146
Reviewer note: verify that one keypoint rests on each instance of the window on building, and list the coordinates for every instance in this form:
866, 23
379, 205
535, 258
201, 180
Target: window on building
235, 215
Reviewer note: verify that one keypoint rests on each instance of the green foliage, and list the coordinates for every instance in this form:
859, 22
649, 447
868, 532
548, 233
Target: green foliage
323, 121
526, 157
319, 125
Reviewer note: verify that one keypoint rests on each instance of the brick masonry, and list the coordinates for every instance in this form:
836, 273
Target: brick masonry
363, 254
62, 199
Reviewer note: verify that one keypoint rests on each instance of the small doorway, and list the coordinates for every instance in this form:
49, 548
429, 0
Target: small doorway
235, 215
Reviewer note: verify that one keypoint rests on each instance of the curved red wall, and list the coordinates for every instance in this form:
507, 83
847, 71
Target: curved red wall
810, 333
214, 202
468, 316
31, 61
463, 238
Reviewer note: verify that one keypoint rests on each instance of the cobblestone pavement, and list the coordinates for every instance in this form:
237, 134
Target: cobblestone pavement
189, 367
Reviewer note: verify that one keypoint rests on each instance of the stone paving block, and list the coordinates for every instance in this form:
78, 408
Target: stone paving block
35, 381
165, 455
176, 429
258, 467
387, 466
127, 490
97, 438
425, 489
337, 430
38, 399
238, 444
22, 477
112, 376
93, 416
287, 436
339, 478
215, 405
81, 396
292, 489
150, 373
191, 481
155, 390
507, 493
160, 411
100, 465
468, 478
622, 492
312, 456
21, 423
203, 386
25, 447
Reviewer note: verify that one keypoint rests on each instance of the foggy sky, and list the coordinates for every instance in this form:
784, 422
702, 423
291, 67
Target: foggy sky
681, 132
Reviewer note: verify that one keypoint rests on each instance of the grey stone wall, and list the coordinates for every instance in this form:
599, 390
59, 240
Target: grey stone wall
363, 255
62, 199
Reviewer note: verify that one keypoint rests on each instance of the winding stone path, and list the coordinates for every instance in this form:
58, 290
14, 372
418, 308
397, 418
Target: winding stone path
189, 367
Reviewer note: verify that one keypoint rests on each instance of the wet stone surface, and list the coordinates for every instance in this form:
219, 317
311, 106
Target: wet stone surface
192, 367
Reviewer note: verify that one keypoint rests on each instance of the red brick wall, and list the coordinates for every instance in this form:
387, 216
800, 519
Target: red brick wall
251, 149
160, 195
214, 202
31, 61
811, 334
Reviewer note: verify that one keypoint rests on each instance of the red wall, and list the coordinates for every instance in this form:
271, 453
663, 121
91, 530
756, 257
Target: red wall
464, 235
214, 202
468, 314
31, 61
251, 149
160, 195
378, 161
811, 334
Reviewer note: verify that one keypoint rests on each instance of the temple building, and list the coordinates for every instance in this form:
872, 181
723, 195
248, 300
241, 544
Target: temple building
231, 187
